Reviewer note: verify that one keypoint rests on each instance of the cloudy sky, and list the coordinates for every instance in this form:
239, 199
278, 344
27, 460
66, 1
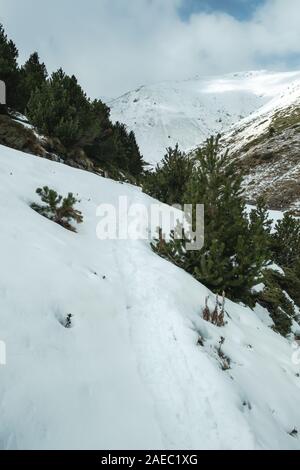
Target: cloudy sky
113, 46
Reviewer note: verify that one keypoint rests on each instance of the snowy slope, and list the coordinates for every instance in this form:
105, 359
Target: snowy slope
266, 144
189, 111
129, 374
258, 123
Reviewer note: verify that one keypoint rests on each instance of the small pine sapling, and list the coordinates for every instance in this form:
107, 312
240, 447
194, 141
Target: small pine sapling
66, 213
51, 200
57, 209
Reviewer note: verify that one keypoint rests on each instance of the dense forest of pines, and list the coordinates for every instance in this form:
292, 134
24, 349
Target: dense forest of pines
58, 108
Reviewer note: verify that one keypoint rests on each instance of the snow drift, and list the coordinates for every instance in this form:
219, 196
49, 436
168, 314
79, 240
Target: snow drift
129, 374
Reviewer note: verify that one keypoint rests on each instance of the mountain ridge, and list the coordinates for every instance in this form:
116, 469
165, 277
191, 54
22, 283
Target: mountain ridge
187, 112
266, 146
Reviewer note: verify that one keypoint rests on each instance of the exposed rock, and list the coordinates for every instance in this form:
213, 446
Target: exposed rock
15, 132
15, 135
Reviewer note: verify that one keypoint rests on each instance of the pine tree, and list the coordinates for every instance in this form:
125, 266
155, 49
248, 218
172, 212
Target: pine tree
230, 259
9, 71
66, 213
116, 148
60, 108
286, 241
136, 162
168, 182
290, 282
57, 209
261, 226
235, 248
274, 299
33, 75
51, 200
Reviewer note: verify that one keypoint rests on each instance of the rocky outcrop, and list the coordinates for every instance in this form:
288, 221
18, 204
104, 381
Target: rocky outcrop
20, 137
16, 133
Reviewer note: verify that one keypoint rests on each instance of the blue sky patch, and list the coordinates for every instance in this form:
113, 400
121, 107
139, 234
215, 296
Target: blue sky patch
240, 9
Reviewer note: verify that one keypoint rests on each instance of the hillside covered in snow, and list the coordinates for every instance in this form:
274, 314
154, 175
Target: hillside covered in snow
139, 368
188, 112
266, 146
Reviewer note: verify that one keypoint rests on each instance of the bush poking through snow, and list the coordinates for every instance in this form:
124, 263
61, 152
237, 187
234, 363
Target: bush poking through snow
217, 316
294, 433
60, 210
206, 312
225, 361
68, 321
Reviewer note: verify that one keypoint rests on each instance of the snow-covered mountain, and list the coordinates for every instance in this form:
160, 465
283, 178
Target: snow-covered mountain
266, 145
131, 373
189, 111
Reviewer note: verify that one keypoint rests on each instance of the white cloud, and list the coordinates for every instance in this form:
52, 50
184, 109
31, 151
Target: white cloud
116, 45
